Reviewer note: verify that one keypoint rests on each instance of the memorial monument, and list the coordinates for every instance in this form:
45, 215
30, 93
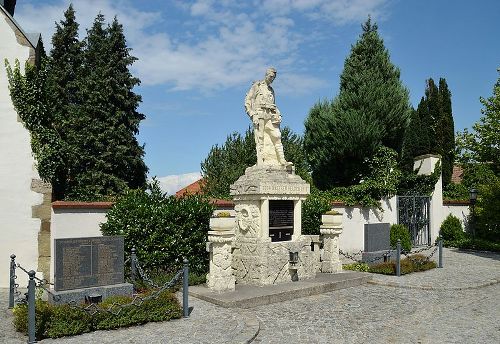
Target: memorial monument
268, 246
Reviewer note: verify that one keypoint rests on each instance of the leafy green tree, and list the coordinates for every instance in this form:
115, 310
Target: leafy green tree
371, 110
225, 164
483, 145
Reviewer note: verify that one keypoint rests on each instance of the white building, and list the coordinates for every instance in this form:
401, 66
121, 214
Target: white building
24, 200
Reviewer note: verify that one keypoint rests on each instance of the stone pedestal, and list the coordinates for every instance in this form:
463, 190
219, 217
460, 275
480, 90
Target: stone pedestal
268, 205
220, 238
330, 229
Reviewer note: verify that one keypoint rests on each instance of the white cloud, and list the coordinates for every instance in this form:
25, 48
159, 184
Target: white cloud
173, 183
220, 44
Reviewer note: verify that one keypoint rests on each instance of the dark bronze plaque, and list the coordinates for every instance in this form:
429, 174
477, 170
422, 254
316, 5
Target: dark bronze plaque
88, 262
280, 220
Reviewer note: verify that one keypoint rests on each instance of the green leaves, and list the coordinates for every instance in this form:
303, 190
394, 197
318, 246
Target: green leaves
371, 110
81, 111
164, 229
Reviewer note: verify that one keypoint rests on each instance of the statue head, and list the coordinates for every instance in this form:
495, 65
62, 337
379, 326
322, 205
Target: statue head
270, 75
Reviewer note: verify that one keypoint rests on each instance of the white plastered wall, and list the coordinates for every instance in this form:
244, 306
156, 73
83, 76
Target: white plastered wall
355, 218
19, 230
74, 223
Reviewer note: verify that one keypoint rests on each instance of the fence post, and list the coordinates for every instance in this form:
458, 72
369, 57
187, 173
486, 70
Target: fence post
31, 307
185, 280
12, 280
133, 258
440, 253
398, 258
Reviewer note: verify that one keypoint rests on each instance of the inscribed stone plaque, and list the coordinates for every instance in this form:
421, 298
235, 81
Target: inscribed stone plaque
88, 262
280, 220
377, 237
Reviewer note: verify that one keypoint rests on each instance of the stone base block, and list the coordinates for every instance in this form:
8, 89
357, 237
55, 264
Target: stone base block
79, 295
385, 256
331, 267
267, 263
220, 284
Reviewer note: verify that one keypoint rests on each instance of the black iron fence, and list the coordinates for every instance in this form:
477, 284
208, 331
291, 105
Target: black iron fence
414, 213
34, 283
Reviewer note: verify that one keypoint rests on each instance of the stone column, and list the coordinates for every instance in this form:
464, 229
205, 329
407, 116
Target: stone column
220, 237
330, 229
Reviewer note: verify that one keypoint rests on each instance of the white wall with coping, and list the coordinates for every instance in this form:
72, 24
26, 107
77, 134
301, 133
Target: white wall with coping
75, 220
355, 218
17, 170
461, 211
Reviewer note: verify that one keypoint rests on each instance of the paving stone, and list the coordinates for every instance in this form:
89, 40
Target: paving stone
461, 304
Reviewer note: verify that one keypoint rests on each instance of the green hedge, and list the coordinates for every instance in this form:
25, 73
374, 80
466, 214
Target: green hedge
164, 229
56, 321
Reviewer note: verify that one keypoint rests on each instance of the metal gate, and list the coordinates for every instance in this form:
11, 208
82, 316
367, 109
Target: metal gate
413, 212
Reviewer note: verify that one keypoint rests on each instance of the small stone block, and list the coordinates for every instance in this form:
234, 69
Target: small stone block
80, 295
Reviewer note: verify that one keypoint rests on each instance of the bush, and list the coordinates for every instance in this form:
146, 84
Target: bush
488, 212
363, 267
313, 207
451, 229
414, 263
163, 229
469, 243
56, 321
401, 232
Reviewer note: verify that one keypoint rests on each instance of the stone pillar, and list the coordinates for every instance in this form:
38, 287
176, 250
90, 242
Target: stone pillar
220, 238
297, 219
330, 229
426, 165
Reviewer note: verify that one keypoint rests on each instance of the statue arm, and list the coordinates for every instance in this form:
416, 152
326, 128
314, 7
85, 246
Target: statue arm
249, 103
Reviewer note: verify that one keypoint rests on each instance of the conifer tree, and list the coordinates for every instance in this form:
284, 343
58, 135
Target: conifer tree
431, 129
371, 110
81, 111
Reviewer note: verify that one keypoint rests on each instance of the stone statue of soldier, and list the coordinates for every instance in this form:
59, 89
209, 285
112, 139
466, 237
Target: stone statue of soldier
266, 118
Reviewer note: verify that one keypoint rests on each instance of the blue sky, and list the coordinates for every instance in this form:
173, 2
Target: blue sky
197, 60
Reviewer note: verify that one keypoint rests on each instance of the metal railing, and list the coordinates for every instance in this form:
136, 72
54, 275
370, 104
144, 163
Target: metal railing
92, 308
437, 247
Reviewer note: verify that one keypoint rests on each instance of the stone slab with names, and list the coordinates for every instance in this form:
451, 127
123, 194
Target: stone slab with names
88, 262
377, 237
280, 220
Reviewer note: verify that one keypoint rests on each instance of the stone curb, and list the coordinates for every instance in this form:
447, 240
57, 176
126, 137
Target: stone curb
429, 287
248, 329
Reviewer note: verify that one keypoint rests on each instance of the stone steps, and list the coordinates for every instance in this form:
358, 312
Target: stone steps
248, 296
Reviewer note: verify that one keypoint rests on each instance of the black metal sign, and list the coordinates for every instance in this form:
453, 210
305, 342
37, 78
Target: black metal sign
280, 220
88, 262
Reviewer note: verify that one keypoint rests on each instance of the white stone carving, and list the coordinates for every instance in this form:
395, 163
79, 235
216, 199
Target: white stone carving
248, 219
330, 229
266, 118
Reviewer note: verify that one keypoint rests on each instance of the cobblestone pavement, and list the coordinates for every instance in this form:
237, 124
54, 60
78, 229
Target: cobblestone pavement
457, 304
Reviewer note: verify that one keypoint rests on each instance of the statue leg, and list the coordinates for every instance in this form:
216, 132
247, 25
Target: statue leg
275, 134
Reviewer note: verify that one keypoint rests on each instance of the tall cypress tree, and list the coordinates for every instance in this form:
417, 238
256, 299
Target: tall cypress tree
447, 131
372, 109
81, 111
107, 118
64, 68
431, 129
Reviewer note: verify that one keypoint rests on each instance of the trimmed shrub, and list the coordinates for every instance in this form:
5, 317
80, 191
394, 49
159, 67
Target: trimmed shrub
414, 263
163, 229
56, 321
451, 229
401, 232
